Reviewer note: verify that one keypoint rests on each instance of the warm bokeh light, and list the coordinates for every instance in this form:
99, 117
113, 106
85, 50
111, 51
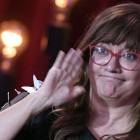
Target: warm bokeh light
61, 3
9, 52
43, 43
60, 17
13, 34
11, 39
5, 65
14, 38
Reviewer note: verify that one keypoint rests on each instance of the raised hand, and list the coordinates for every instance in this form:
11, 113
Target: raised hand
57, 88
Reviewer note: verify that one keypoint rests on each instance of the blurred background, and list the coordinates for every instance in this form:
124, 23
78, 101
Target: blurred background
33, 31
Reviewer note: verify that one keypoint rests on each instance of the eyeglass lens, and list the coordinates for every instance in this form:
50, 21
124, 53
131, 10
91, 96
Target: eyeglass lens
102, 56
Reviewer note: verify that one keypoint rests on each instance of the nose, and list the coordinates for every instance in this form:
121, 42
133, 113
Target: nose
113, 65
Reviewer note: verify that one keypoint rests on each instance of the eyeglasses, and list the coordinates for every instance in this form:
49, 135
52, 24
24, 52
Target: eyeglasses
102, 56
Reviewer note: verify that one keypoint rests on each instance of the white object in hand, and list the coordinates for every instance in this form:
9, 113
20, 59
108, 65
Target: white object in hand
18, 92
37, 85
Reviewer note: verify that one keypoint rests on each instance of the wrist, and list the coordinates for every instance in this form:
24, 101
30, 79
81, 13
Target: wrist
38, 103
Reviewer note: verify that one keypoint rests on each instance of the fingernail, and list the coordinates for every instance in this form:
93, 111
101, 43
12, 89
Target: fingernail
71, 50
61, 53
79, 51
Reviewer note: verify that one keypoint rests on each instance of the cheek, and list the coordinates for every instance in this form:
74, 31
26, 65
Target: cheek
132, 80
93, 68
132, 76
132, 85
93, 71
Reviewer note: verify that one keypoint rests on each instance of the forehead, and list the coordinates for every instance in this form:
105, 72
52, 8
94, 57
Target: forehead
114, 48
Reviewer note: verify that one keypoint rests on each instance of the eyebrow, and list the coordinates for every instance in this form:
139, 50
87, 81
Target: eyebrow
103, 44
108, 47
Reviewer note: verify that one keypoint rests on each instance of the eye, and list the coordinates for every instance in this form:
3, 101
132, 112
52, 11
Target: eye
100, 50
130, 56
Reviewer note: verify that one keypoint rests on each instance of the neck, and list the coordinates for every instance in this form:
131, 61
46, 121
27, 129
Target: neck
109, 116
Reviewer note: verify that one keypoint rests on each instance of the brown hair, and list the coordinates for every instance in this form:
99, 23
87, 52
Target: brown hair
115, 25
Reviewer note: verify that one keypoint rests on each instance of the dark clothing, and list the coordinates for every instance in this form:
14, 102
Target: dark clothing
87, 135
36, 131
32, 134
38, 128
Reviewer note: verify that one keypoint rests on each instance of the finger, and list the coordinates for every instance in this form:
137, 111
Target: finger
59, 59
72, 72
69, 96
77, 91
76, 69
68, 80
77, 63
79, 52
52, 77
67, 61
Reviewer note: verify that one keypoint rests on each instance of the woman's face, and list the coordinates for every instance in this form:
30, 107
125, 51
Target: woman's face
111, 81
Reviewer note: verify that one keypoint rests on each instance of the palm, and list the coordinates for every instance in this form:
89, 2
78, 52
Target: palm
58, 85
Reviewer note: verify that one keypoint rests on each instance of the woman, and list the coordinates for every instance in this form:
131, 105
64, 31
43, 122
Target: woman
109, 109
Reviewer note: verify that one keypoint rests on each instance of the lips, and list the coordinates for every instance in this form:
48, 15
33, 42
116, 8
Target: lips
112, 77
